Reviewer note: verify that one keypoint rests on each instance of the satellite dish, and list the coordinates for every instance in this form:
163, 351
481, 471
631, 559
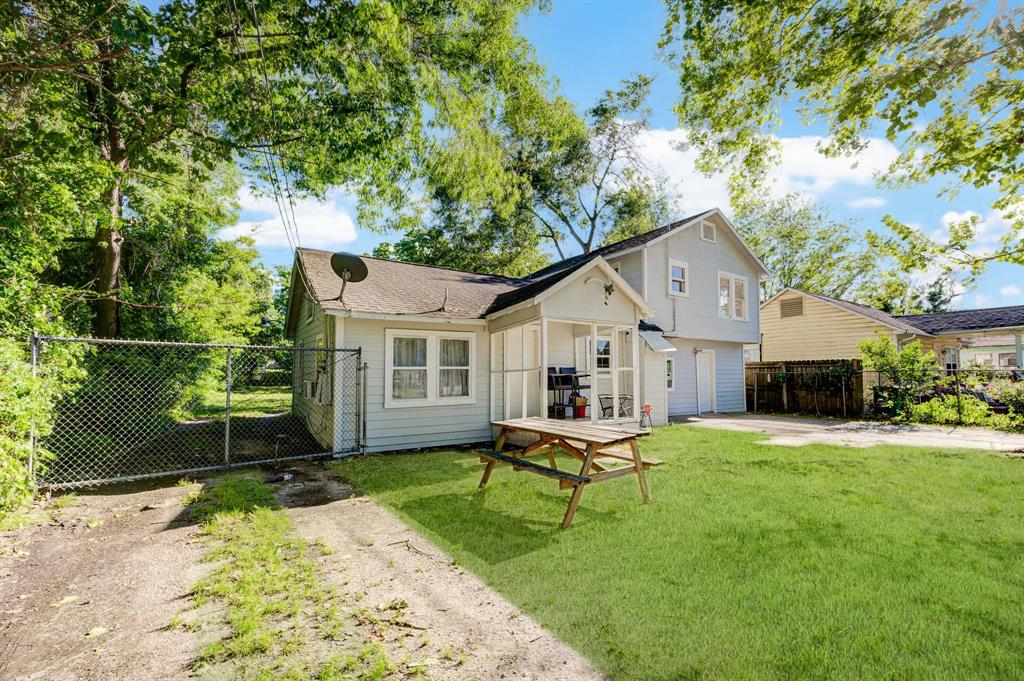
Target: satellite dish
349, 267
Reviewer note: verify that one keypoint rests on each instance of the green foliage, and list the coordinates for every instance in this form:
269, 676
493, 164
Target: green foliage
1012, 395
896, 294
904, 372
948, 410
939, 78
804, 248
26, 408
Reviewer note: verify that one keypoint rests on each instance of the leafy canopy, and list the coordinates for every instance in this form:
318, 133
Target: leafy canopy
939, 78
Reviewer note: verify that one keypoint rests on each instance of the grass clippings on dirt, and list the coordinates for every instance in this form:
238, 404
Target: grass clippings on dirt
752, 561
266, 595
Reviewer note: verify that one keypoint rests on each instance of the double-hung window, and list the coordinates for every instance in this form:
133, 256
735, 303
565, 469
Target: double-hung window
670, 374
678, 278
425, 368
732, 296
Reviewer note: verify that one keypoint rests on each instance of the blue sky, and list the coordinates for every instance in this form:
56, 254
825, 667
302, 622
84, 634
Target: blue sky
590, 46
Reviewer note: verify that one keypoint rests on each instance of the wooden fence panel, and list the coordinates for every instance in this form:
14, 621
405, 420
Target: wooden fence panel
820, 387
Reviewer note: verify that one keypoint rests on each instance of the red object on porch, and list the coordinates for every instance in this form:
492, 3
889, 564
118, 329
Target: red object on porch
581, 411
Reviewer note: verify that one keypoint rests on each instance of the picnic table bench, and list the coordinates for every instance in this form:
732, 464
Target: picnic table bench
593, 445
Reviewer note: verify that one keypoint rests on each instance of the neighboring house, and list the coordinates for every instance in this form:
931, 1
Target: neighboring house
796, 325
660, 318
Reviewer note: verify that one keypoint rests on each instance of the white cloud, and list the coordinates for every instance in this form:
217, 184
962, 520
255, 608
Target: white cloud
981, 299
991, 227
867, 202
802, 168
1009, 291
325, 224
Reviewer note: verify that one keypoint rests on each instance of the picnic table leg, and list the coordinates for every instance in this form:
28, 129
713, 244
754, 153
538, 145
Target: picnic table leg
645, 493
489, 466
577, 491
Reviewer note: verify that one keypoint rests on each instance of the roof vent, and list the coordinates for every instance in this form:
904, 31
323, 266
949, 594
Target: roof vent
707, 231
792, 307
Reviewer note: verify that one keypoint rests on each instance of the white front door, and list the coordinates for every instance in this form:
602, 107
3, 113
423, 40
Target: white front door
705, 381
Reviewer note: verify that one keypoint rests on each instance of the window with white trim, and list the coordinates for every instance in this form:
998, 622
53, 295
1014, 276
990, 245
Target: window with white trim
428, 368
732, 296
678, 278
708, 231
670, 374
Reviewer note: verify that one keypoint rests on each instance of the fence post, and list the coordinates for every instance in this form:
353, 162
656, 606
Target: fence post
34, 358
959, 406
785, 391
227, 414
755, 390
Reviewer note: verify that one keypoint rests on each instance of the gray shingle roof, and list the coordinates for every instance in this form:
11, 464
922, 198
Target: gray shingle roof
393, 287
968, 320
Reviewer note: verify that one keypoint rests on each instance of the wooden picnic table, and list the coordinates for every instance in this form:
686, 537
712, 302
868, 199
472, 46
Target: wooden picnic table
599, 448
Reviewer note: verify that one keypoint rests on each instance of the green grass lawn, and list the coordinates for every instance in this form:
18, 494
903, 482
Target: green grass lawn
252, 401
752, 561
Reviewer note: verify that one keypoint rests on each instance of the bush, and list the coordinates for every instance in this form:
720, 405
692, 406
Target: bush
906, 371
26, 406
945, 409
1012, 395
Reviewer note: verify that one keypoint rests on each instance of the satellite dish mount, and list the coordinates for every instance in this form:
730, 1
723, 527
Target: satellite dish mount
348, 267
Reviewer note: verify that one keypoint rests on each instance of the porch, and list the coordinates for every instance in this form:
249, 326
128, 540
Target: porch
566, 369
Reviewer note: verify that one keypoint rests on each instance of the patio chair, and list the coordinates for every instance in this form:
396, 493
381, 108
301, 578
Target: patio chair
625, 405
607, 406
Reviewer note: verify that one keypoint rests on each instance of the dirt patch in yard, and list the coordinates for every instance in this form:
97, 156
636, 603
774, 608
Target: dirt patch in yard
90, 594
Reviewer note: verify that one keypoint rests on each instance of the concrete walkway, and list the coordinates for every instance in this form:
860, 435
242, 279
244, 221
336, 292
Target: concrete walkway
795, 431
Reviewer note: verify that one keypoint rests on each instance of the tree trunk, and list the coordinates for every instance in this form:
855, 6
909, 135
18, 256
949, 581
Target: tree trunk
108, 239
106, 253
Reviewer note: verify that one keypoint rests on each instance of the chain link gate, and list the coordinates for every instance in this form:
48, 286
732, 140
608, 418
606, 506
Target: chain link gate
136, 409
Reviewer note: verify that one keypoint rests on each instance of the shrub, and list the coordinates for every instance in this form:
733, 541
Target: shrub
1012, 395
26, 406
907, 370
945, 409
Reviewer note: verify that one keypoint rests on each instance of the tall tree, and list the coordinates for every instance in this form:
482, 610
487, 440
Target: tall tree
939, 78
897, 294
804, 247
306, 95
590, 180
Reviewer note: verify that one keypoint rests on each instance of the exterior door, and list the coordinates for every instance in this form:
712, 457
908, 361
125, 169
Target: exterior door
705, 381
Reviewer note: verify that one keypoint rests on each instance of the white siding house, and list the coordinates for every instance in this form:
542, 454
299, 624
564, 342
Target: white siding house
444, 352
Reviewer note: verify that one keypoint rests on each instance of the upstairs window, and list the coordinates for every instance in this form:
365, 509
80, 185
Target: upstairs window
678, 278
732, 296
708, 232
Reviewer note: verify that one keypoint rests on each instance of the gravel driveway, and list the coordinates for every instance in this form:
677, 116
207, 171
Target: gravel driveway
795, 431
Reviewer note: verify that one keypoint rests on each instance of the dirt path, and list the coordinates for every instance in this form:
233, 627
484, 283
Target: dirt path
796, 431
122, 565
471, 632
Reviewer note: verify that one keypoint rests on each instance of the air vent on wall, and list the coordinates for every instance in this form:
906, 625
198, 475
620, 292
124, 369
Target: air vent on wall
793, 307
707, 232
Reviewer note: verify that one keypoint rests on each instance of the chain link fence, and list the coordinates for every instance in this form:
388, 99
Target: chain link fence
139, 409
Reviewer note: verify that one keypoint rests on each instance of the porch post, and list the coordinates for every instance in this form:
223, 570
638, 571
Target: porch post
637, 402
594, 404
1019, 346
613, 364
543, 367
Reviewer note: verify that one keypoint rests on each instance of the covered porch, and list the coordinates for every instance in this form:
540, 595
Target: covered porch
566, 369
571, 352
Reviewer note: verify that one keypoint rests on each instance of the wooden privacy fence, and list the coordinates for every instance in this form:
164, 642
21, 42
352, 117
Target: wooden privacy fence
821, 387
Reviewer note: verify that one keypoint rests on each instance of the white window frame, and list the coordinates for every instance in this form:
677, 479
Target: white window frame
670, 374
733, 278
686, 278
433, 368
714, 232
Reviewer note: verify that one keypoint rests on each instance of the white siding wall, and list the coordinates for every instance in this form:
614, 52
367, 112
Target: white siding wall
728, 377
413, 427
696, 316
652, 385
318, 418
631, 268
